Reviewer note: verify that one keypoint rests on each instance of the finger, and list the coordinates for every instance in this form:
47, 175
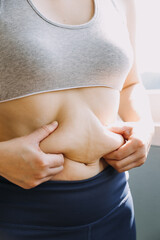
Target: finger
125, 150
43, 132
55, 160
136, 159
126, 131
135, 164
128, 148
125, 162
51, 173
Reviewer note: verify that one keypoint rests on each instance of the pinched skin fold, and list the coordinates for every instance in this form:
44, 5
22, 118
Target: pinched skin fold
81, 136
83, 139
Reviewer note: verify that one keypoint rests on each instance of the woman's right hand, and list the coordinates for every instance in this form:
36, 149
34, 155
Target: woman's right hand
23, 162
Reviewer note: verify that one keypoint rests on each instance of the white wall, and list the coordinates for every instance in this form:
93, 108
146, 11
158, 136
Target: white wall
145, 180
148, 35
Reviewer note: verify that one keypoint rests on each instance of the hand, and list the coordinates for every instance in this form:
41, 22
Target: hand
23, 162
133, 153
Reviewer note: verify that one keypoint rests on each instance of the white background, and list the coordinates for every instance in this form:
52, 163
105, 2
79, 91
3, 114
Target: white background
148, 35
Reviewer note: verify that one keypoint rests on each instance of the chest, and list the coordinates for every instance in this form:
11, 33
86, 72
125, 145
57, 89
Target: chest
97, 52
66, 11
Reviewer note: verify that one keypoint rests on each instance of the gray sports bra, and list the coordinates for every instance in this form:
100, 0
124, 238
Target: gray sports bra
39, 55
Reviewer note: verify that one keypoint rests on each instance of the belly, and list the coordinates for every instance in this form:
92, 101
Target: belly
82, 135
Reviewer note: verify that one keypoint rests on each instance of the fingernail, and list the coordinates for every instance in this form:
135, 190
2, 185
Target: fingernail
127, 132
55, 123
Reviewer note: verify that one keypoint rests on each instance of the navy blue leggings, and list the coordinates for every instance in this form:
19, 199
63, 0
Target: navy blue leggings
99, 207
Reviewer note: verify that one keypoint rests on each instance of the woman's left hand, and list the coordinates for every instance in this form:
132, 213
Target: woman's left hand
133, 153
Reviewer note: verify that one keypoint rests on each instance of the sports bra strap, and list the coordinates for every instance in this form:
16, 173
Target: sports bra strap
120, 11
115, 5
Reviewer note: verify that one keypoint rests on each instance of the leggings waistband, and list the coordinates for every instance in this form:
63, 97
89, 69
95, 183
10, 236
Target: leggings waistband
63, 203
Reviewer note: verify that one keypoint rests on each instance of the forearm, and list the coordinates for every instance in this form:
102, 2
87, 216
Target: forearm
137, 128
135, 106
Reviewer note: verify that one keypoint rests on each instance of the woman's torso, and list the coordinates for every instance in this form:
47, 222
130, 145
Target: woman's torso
82, 113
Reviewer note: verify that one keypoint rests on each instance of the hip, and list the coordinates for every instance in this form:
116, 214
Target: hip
99, 207
62, 203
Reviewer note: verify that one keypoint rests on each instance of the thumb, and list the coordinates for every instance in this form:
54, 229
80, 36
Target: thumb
124, 130
44, 131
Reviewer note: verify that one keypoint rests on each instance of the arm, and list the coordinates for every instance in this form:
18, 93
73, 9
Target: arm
134, 102
134, 110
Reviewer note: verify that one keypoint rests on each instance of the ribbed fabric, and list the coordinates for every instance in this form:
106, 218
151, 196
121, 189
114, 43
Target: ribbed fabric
39, 55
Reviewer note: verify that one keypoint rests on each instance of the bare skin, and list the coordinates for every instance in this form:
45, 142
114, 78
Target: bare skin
81, 136
66, 12
83, 114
